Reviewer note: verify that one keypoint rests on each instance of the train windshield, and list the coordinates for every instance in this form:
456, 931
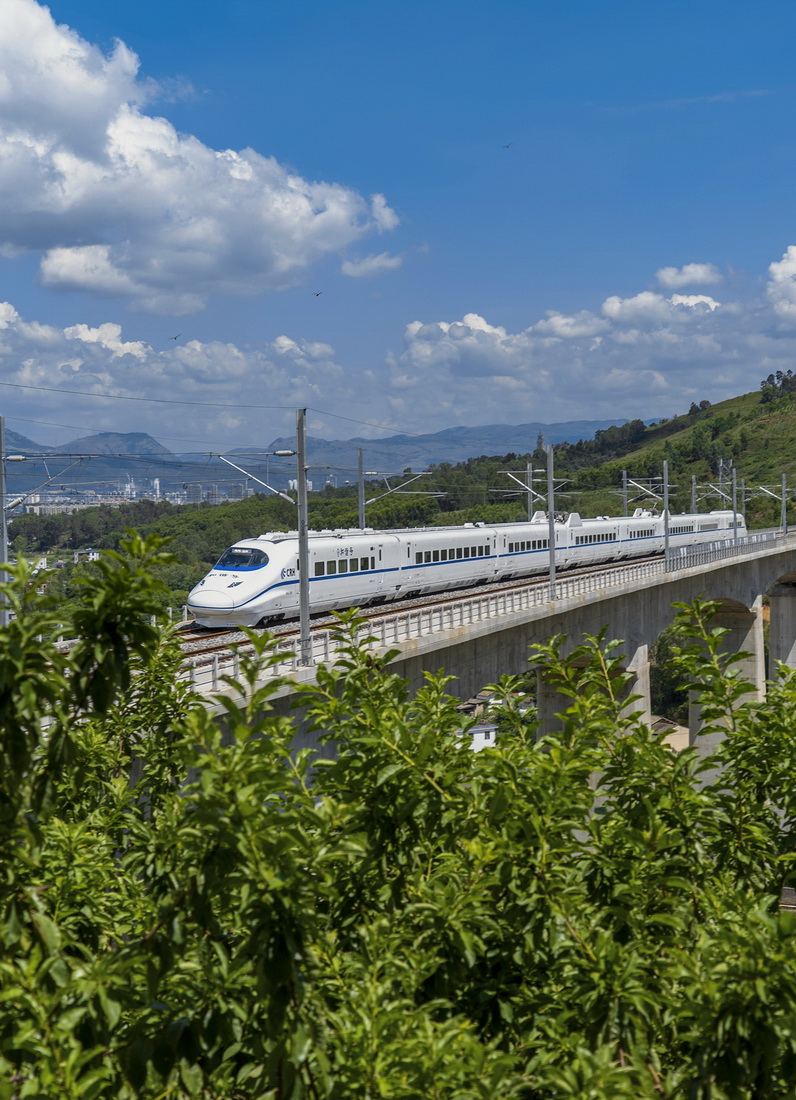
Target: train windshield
242, 557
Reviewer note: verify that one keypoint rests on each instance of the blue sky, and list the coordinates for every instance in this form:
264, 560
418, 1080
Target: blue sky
512, 211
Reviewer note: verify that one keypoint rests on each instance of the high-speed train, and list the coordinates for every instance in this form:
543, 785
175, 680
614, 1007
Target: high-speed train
257, 579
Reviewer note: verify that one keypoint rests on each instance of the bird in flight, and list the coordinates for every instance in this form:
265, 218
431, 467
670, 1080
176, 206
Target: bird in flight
179, 334
317, 293
509, 145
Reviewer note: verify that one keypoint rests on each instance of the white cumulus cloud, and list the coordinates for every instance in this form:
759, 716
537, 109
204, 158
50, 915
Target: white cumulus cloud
694, 300
782, 286
643, 355
371, 265
221, 392
121, 204
107, 335
673, 278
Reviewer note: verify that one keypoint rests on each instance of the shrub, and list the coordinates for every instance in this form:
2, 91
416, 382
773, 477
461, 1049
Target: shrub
191, 912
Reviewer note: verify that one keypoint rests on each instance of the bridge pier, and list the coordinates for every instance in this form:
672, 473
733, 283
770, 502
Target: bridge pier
745, 635
639, 684
782, 635
550, 702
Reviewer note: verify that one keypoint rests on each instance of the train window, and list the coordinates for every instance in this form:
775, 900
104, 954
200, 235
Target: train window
443, 555
426, 555
372, 563
342, 565
242, 557
331, 567
419, 557
459, 552
320, 568
435, 555
353, 565
467, 551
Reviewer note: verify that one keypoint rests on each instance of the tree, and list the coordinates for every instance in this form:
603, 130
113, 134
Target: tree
195, 909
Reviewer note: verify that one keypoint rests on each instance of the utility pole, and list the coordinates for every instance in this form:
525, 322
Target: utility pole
361, 487
693, 494
551, 520
305, 642
784, 506
624, 493
734, 508
529, 483
666, 513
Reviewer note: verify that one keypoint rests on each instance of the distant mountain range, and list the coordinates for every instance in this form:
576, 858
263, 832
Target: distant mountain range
452, 445
129, 452
110, 443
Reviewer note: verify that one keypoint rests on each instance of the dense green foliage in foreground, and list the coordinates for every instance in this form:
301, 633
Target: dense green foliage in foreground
416, 921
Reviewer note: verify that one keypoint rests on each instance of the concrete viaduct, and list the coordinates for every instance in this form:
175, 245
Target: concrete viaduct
485, 636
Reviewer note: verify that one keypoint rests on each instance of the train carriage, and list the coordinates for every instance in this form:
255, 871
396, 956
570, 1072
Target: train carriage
257, 579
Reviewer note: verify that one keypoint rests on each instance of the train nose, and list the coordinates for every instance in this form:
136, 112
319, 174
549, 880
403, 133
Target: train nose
210, 600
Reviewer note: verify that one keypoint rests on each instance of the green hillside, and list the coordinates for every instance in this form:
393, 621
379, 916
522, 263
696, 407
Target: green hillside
754, 433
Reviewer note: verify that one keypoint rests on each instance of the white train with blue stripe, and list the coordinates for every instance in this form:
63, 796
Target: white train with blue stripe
256, 580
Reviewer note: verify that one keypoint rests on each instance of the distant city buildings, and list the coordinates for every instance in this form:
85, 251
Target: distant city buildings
48, 502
